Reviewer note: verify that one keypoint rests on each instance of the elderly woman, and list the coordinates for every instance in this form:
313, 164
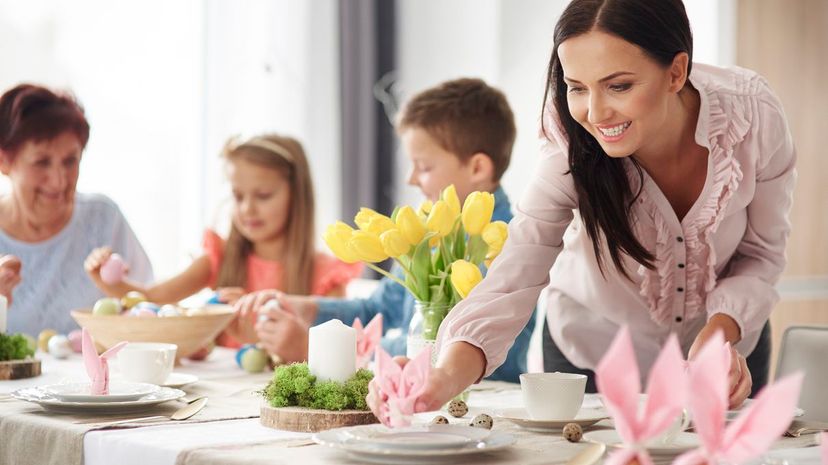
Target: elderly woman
44, 222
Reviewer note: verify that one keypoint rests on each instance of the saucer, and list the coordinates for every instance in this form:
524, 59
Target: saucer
343, 439
519, 416
683, 442
80, 392
50, 402
732, 414
176, 380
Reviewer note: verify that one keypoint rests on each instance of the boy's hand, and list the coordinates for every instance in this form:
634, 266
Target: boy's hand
9, 275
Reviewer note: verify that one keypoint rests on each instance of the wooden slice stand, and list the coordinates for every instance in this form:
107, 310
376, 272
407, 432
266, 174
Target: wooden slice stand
305, 420
18, 369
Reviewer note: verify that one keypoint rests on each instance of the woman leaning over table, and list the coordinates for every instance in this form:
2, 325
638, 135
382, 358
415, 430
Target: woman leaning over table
682, 189
48, 226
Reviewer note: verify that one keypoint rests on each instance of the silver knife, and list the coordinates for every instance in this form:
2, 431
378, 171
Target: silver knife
593, 452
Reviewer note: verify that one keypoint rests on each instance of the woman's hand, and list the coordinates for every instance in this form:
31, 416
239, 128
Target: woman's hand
9, 275
739, 376
438, 391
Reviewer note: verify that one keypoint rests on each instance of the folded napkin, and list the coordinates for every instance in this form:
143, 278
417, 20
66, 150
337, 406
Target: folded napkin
757, 426
97, 366
617, 379
824, 442
367, 339
402, 385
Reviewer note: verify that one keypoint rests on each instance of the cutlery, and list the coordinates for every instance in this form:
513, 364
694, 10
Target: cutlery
796, 432
181, 414
593, 452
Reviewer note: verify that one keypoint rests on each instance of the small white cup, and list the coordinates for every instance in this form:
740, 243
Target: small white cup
147, 362
552, 396
668, 437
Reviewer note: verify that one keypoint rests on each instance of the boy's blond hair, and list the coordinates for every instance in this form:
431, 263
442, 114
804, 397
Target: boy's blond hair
465, 116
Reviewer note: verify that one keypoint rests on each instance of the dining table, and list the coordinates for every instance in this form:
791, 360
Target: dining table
228, 429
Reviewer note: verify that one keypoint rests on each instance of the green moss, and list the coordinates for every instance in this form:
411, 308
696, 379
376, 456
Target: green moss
14, 347
294, 385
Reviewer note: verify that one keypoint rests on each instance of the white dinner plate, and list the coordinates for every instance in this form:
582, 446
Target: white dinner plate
343, 439
81, 392
683, 442
50, 402
732, 414
176, 380
585, 417
421, 437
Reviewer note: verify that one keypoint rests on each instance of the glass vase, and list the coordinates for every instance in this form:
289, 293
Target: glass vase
422, 331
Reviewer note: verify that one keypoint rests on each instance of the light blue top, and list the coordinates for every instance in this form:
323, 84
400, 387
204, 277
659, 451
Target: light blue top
396, 305
53, 279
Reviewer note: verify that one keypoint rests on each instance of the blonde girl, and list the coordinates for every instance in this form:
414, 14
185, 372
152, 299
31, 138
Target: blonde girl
271, 241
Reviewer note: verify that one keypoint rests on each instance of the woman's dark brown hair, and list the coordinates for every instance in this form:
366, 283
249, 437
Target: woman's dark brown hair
662, 30
34, 113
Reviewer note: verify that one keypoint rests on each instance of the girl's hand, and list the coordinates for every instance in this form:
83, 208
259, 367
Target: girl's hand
9, 275
283, 334
439, 390
94, 261
230, 295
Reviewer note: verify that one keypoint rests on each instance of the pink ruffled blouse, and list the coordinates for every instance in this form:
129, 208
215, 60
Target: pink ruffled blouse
724, 256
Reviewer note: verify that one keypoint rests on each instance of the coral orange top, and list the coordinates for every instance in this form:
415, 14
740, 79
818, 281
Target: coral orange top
329, 273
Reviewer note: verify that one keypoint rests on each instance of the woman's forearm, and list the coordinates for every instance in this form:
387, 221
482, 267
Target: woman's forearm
463, 363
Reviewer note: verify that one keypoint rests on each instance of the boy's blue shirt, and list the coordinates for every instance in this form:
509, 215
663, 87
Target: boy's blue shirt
396, 305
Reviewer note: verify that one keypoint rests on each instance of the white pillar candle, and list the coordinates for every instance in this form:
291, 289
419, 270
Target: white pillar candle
332, 351
3, 307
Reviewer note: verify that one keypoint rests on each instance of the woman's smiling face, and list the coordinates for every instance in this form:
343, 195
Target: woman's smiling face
615, 91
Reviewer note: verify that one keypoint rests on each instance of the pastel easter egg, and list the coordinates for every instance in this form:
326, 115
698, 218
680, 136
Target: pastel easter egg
59, 346
76, 340
241, 352
151, 306
143, 312
43, 339
132, 298
254, 360
169, 310
113, 271
107, 306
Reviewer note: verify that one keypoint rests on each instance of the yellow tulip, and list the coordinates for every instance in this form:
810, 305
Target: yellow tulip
464, 277
394, 243
410, 225
477, 211
450, 197
367, 247
440, 219
337, 237
425, 208
373, 222
495, 234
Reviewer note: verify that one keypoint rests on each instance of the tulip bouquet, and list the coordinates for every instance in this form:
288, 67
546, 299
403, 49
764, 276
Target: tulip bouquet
439, 248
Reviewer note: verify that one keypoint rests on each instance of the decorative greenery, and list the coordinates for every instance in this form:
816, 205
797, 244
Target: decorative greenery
439, 247
294, 386
14, 347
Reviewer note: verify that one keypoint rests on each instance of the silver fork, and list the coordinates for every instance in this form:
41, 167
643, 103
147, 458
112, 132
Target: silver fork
796, 432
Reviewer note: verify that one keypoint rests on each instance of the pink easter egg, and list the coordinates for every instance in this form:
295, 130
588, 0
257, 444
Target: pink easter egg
112, 272
141, 312
75, 341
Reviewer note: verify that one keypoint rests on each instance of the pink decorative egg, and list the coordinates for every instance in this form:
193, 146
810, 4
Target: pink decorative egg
112, 272
141, 312
75, 340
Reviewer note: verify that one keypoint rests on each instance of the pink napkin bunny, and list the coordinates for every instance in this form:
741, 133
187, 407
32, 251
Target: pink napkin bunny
617, 379
824, 446
97, 367
368, 339
756, 427
402, 385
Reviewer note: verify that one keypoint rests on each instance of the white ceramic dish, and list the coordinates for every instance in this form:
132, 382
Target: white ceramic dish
732, 414
118, 392
376, 452
176, 380
50, 402
683, 442
585, 417
419, 437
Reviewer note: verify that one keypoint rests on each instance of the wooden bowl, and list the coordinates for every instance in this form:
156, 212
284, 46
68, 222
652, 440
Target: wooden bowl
189, 333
